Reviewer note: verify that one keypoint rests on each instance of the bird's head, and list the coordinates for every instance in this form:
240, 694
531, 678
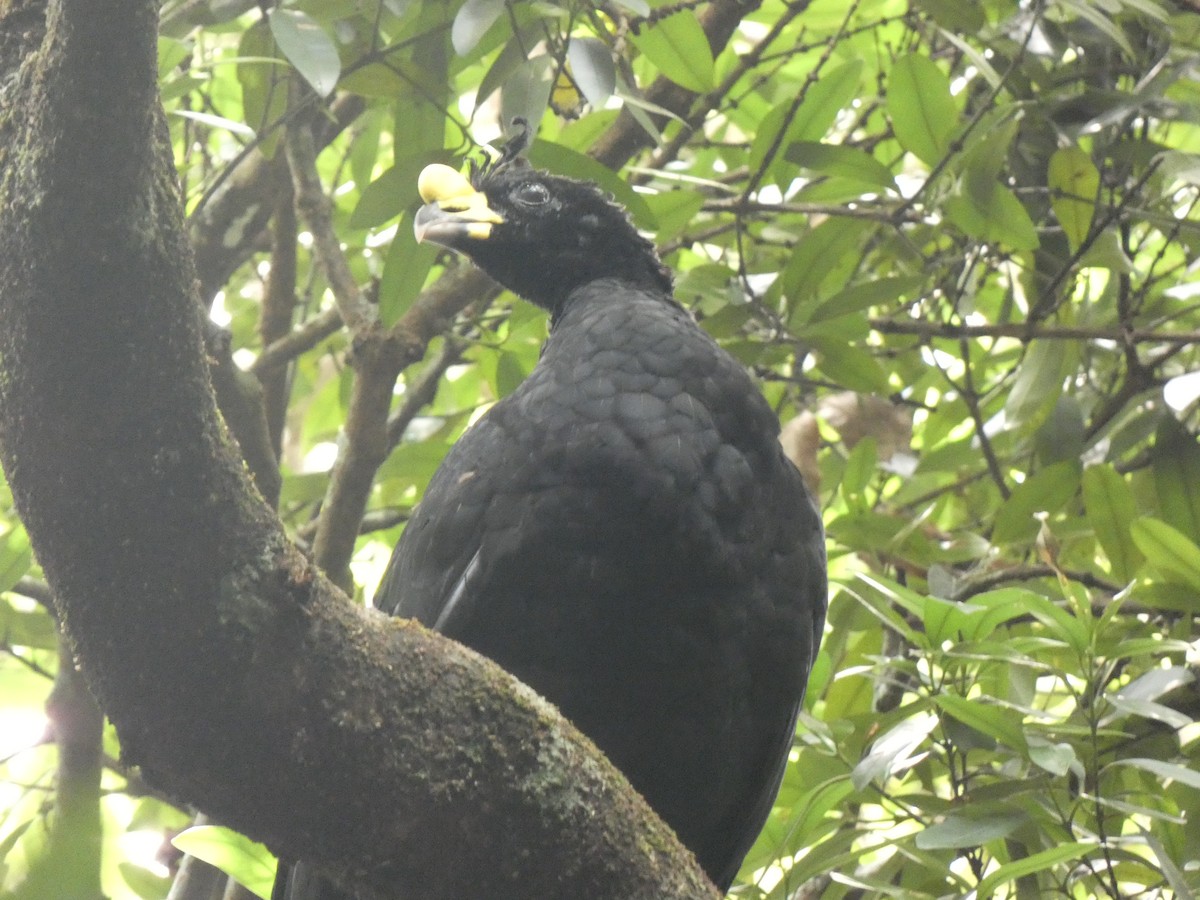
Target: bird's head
540, 235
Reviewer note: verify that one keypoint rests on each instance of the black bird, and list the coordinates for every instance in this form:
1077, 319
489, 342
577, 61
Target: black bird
623, 532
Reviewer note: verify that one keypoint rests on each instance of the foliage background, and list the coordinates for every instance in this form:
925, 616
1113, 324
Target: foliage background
956, 243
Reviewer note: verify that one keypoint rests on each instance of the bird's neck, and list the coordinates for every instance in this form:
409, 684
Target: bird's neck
608, 290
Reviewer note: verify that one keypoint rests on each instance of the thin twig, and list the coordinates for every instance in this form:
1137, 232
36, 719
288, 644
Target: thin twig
298, 341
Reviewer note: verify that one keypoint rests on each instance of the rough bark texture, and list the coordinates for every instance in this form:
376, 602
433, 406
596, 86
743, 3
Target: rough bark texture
238, 678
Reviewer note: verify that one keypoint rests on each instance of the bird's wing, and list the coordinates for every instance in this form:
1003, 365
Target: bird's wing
438, 559
462, 595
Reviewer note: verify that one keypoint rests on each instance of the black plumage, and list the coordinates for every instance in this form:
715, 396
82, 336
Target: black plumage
622, 532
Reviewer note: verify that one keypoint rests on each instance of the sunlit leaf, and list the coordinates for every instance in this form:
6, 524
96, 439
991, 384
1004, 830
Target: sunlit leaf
1165, 770
851, 368
592, 68
679, 49
994, 216
264, 86
247, 861
1176, 469
1168, 550
526, 93
835, 159
812, 261
810, 120
1046, 491
1110, 509
34, 628
895, 752
860, 470
996, 722
963, 17
1036, 862
861, 296
1074, 182
970, 828
307, 47
404, 271
472, 22
1038, 384
923, 113
565, 161
1059, 624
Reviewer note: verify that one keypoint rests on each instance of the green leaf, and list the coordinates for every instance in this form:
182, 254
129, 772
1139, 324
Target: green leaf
264, 86
472, 22
386, 197
986, 612
509, 372
846, 162
887, 600
1176, 469
1169, 551
812, 118
1057, 759
592, 68
674, 211
1074, 183
678, 47
16, 556
1163, 770
996, 722
895, 751
1046, 491
813, 259
507, 63
862, 296
34, 628
1038, 862
1110, 510
996, 215
307, 47
860, 470
851, 367
922, 111
404, 271
248, 862
971, 828
1106, 252
565, 161
1059, 623
144, 883
527, 92
1038, 384
955, 15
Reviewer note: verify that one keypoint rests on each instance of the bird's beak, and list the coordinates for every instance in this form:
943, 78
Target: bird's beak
453, 209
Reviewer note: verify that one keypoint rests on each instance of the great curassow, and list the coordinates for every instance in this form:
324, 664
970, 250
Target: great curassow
622, 532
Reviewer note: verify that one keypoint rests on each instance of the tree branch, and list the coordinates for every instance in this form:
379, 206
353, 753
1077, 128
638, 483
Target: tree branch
225, 230
1026, 332
317, 211
300, 340
238, 678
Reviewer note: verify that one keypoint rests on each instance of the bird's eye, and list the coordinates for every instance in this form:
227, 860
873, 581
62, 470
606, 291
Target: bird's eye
532, 194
